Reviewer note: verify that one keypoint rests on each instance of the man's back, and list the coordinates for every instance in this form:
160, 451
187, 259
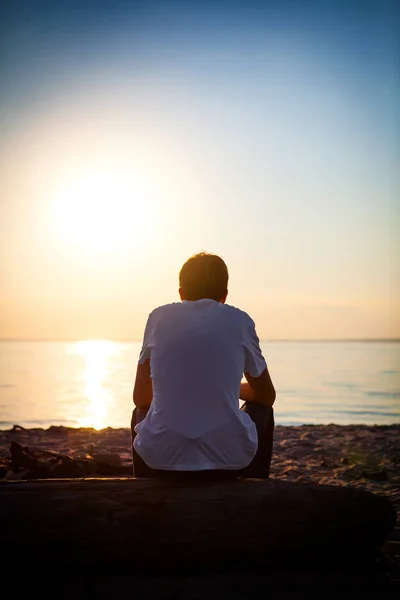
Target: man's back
198, 352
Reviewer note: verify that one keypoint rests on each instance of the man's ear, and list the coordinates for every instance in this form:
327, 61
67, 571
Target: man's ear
181, 294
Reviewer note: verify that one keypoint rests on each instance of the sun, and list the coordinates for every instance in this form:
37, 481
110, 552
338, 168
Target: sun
102, 211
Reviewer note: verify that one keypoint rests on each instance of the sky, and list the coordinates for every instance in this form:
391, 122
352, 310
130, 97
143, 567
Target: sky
135, 134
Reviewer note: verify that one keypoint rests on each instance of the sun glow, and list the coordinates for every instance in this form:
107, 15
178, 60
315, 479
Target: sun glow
103, 211
98, 398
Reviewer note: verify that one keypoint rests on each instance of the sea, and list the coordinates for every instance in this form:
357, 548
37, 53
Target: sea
89, 383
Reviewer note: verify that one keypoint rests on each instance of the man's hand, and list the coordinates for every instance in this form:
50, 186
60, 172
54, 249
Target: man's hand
258, 389
143, 389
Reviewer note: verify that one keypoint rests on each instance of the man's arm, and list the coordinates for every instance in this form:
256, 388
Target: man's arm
258, 389
143, 389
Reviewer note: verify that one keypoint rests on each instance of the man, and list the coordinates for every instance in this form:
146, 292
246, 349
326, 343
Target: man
188, 383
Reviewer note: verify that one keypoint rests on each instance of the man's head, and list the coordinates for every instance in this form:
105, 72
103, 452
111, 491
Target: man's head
204, 276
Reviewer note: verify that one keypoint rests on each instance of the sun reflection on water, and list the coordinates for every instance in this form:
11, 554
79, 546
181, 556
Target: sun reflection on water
96, 354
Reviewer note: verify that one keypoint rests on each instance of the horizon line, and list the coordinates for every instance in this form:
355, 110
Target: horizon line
131, 340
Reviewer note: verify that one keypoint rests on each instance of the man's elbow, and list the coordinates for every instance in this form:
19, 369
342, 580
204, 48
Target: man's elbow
267, 398
272, 397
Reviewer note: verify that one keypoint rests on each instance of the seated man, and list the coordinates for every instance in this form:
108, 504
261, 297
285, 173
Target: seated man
187, 419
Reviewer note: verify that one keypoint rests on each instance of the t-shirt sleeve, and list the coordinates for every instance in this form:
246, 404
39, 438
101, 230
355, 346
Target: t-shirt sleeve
147, 340
255, 362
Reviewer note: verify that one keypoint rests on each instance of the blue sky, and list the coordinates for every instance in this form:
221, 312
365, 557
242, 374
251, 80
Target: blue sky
266, 132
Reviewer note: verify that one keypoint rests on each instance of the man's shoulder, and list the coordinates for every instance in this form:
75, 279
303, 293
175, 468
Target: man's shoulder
239, 314
164, 309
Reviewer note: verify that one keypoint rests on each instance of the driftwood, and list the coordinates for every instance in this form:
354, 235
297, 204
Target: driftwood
171, 527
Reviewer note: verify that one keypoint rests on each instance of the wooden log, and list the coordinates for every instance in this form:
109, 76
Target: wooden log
156, 526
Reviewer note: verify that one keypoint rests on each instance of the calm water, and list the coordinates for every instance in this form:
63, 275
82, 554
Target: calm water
89, 383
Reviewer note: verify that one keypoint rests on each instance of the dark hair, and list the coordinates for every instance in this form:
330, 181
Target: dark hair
204, 276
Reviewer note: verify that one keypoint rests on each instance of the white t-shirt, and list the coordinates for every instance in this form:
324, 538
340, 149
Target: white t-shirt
198, 353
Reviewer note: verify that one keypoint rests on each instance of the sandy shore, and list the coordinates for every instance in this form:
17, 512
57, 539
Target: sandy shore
362, 456
357, 455
319, 453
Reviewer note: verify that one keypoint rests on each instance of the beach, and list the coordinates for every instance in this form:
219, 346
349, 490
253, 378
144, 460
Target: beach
358, 455
361, 456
